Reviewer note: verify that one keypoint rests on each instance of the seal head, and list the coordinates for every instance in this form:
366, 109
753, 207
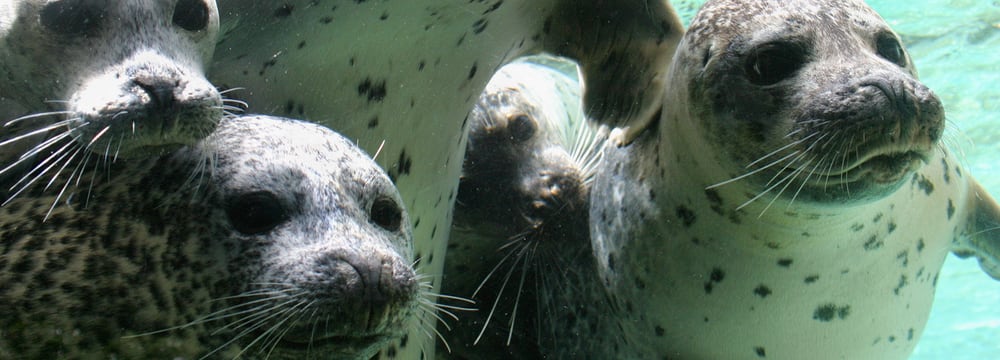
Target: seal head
247, 244
126, 76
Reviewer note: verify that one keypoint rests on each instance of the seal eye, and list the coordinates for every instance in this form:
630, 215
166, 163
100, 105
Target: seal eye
772, 62
191, 15
256, 212
889, 48
386, 213
521, 128
75, 18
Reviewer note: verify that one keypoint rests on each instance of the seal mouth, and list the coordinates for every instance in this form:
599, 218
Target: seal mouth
885, 167
339, 343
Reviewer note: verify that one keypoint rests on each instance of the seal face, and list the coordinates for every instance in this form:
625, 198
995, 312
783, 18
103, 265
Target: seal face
117, 78
408, 73
247, 244
521, 213
795, 202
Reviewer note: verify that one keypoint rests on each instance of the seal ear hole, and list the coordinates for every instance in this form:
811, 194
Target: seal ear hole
889, 48
521, 127
256, 212
386, 213
73, 18
770, 63
191, 15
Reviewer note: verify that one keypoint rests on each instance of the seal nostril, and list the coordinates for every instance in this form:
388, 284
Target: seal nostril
161, 93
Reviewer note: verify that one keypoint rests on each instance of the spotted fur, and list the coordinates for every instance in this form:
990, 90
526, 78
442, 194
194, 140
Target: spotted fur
271, 238
407, 73
793, 202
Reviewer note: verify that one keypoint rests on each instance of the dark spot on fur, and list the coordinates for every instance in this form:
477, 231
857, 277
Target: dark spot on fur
951, 209
760, 352
659, 330
762, 291
421, 65
892, 227
326, 20
302, 44
472, 71
811, 279
384, 16
373, 122
686, 215
715, 277
857, 227
479, 26
873, 243
902, 284
923, 183
909, 334
827, 312
785, 262
920, 244
374, 91
283, 11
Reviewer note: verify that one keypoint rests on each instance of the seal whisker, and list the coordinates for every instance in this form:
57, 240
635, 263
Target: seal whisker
36, 116
40, 170
66, 185
753, 172
35, 132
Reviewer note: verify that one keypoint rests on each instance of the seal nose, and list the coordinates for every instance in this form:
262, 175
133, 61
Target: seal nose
917, 107
897, 95
160, 91
364, 288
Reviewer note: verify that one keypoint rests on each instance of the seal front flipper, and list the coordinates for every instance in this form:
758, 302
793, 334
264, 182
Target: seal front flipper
623, 52
982, 234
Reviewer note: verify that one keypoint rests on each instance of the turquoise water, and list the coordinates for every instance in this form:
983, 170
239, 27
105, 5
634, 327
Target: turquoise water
956, 47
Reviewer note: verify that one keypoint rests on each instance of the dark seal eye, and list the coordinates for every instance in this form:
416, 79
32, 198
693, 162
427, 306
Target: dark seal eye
521, 128
256, 212
73, 17
889, 48
191, 15
386, 214
770, 63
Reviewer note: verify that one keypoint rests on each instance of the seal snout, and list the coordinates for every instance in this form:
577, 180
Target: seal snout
361, 289
915, 106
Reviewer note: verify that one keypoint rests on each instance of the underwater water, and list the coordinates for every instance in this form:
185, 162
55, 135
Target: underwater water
956, 47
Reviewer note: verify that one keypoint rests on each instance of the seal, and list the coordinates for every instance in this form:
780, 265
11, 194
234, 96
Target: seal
112, 78
408, 74
270, 238
522, 211
795, 200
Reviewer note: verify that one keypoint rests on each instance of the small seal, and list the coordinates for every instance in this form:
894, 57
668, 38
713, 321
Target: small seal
523, 201
115, 78
408, 73
270, 238
795, 202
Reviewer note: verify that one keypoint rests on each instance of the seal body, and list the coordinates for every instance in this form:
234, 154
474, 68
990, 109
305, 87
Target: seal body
795, 201
247, 244
406, 74
113, 78
521, 218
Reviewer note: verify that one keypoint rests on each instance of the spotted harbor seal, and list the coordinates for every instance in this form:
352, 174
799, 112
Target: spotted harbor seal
271, 238
794, 202
117, 78
521, 217
409, 72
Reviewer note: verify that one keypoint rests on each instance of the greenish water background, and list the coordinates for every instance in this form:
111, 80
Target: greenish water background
956, 47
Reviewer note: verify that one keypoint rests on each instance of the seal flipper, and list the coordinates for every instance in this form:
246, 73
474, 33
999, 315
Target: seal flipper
623, 57
982, 234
